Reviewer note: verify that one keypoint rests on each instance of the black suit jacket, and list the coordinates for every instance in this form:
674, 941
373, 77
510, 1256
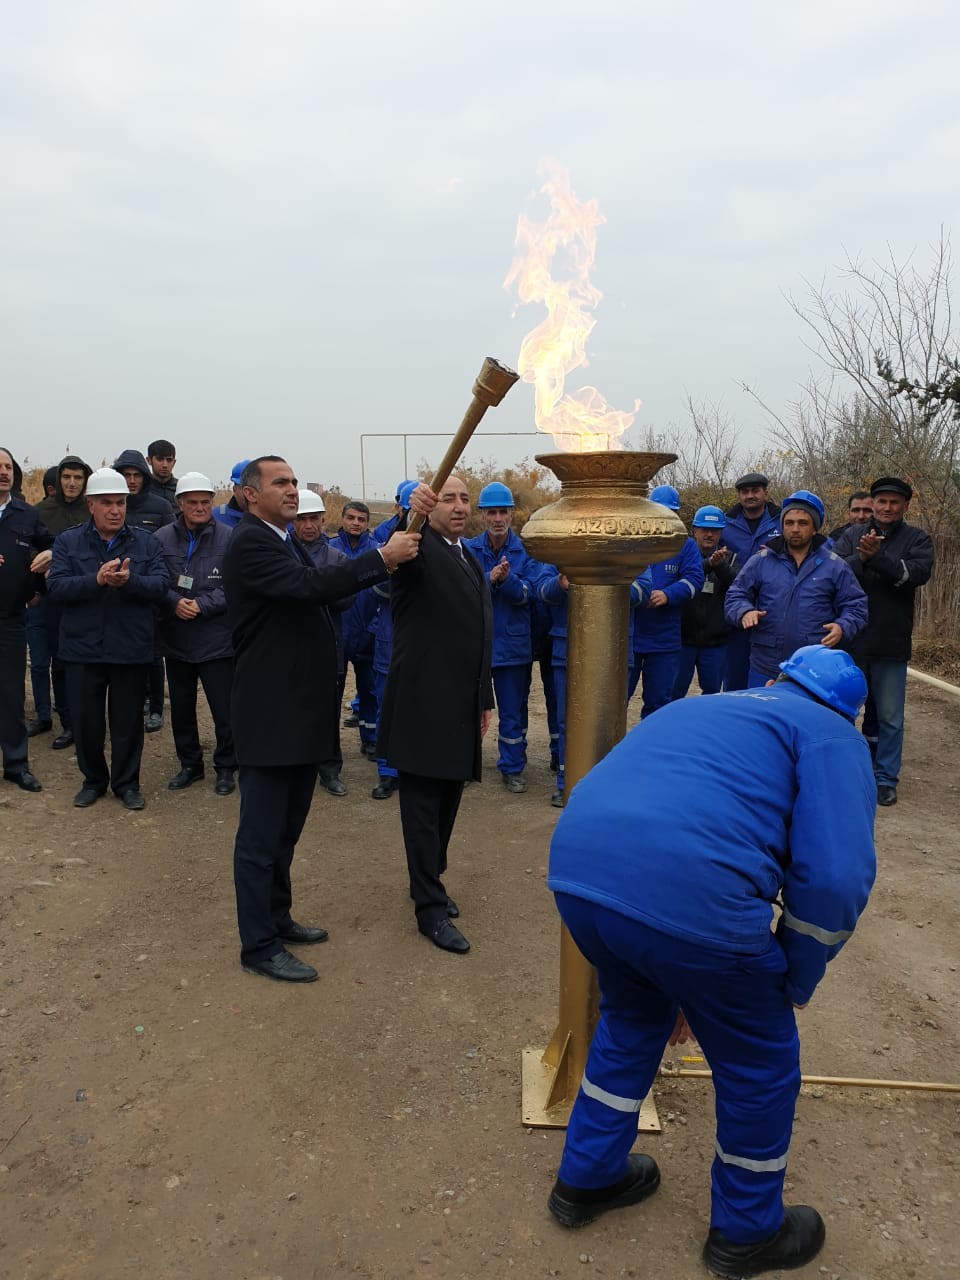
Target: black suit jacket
285, 701
439, 677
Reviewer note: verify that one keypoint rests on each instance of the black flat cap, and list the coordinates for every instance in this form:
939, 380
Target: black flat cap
751, 478
891, 484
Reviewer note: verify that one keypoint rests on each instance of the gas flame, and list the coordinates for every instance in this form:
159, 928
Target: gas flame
581, 420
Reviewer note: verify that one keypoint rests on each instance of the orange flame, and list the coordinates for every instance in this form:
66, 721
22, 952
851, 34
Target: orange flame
579, 421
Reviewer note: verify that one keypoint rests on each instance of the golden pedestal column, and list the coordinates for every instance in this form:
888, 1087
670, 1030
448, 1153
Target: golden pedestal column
601, 533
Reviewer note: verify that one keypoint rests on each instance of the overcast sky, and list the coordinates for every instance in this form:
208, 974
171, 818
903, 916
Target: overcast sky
253, 226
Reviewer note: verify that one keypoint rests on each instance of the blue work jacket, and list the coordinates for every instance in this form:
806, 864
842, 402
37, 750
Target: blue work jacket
744, 542
679, 578
553, 597
355, 621
512, 598
710, 870
197, 559
798, 601
107, 624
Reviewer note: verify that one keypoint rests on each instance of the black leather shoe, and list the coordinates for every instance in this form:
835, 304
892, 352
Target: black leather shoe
132, 799
453, 911
63, 740
189, 774
368, 749
153, 722
283, 967
886, 796
576, 1206
225, 784
799, 1239
38, 726
25, 780
446, 936
334, 786
557, 799
515, 783
385, 788
351, 721
86, 797
303, 933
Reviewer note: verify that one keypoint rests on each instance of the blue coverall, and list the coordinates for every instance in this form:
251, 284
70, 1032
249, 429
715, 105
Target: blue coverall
745, 541
656, 631
357, 639
675, 913
512, 645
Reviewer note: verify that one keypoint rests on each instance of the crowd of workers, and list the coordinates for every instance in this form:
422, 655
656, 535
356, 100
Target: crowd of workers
743, 592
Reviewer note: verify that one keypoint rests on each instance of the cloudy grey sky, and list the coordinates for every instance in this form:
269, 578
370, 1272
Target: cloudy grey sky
233, 222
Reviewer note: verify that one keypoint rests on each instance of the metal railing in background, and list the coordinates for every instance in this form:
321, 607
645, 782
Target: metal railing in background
416, 435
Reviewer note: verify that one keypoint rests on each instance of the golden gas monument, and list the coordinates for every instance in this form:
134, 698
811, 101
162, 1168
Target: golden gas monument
601, 533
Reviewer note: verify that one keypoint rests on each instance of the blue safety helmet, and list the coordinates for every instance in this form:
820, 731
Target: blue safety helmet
666, 495
831, 675
494, 495
236, 475
400, 488
404, 492
808, 501
709, 518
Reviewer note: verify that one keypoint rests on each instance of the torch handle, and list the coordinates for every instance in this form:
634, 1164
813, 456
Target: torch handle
493, 382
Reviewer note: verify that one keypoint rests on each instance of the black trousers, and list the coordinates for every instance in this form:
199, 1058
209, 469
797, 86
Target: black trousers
428, 810
99, 692
274, 803
58, 674
216, 677
154, 690
13, 670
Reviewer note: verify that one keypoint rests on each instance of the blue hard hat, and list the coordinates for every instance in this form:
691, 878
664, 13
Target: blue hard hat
404, 492
401, 486
495, 495
666, 495
831, 675
239, 468
808, 501
709, 518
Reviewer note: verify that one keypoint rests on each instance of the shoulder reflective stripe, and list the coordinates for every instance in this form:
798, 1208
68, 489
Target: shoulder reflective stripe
814, 931
609, 1099
905, 577
755, 1166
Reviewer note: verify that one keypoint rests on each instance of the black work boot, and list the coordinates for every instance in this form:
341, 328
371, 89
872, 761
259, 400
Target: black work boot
799, 1239
576, 1206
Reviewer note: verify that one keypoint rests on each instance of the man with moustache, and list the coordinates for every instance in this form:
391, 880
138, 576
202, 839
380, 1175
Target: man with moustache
24, 554
751, 521
438, 697
794, 592
109, 578
284, 701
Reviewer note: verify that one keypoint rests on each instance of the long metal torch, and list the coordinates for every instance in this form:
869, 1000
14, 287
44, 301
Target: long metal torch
493, 382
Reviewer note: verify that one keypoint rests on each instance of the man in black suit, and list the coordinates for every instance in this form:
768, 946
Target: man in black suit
285, 701
438, 697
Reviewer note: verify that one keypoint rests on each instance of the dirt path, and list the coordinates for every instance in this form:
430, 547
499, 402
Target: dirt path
164, 1115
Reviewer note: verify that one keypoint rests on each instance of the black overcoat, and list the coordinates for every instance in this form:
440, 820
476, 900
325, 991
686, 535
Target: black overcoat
285, 699
439, 678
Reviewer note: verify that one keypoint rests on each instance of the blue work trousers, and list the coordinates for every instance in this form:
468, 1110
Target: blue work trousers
380, 683
39, 659
368, 705
738, 660
887, 685
739, 1012
659, 672
511, 686
709, 664
550, 698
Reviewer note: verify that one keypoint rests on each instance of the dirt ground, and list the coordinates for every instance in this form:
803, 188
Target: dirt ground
165, 1115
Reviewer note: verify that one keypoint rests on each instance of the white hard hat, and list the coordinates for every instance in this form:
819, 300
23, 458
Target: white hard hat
105, 482
194, 482
311, 504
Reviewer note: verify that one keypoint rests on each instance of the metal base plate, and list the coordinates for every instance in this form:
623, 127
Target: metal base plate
536, 1080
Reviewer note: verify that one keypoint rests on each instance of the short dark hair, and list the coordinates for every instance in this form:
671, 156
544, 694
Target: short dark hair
854, 497
355, 506
251, 472
161, 449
